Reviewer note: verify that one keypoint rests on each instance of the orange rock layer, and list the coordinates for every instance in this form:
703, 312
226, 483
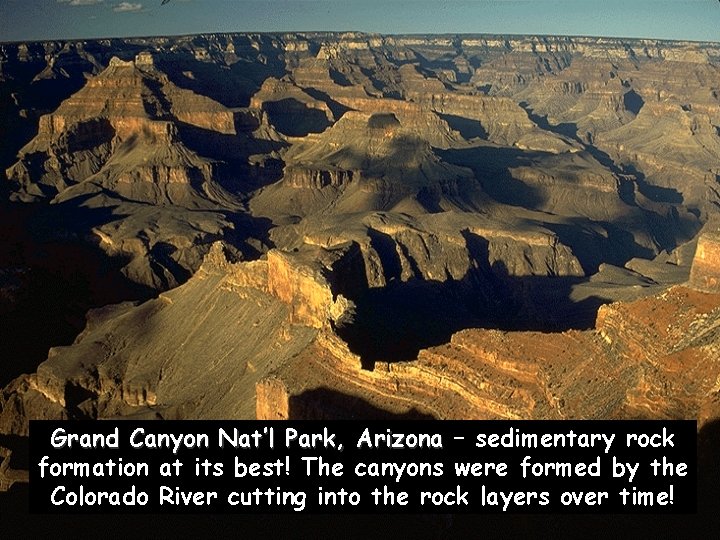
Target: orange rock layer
657, 357
705, 272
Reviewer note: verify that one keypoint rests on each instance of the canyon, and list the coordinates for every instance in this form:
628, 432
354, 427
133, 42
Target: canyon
349, 225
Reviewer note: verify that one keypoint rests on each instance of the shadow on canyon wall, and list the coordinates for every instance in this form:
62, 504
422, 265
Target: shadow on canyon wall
493, 169
52, 272
395, 322
328, 404
232, 85
633, 103
48, 284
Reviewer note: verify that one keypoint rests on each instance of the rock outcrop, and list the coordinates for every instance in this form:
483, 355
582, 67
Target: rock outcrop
330, 225
282, 357
705, 272
247, 318
114, 135
654, 358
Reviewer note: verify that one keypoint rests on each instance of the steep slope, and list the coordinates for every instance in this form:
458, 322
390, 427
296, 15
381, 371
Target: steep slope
395, 214
282, 358
689, 144
115, 147
239, 332
651, 358
366, 162
116, 134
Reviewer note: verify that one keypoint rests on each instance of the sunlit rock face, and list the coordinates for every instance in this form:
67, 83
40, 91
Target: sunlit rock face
350, 225
705, 272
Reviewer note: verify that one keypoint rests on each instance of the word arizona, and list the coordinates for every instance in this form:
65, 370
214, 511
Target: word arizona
388, 439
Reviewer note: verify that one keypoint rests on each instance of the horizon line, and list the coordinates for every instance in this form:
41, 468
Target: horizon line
362, 32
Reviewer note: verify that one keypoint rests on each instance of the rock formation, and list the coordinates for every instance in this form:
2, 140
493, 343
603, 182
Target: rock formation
651, 358
281, 357
704, 274
323, 225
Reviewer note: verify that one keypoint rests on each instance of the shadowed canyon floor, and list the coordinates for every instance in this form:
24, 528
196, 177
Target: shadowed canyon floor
342, 225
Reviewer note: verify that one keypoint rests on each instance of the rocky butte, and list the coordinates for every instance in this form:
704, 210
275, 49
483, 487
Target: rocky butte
345, 225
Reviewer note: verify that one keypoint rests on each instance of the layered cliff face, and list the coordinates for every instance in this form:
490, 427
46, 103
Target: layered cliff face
117, 134
444, 226
118, 146
366, 162
353, 122
294, 112
248, 317
651, 358
294, 296
688, 141
704, 275
282, 356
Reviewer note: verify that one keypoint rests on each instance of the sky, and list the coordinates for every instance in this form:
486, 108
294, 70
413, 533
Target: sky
29, 20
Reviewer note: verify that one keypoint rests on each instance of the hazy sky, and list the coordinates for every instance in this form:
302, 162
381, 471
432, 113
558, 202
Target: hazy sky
669, 19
